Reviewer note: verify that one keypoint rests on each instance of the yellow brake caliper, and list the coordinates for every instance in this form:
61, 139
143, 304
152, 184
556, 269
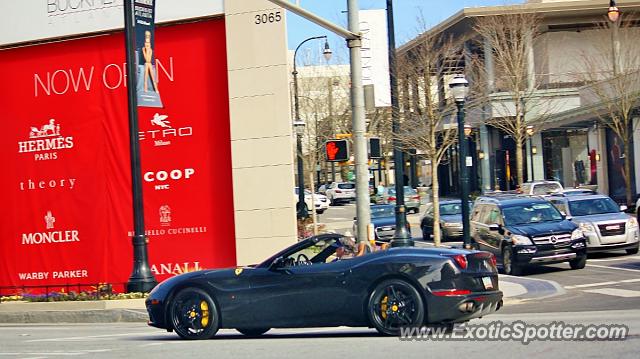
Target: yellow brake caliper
383, 307
205, 313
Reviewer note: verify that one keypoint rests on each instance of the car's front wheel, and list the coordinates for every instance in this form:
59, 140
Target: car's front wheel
194, 315
579, 262
393, 304
253, 332
508, 266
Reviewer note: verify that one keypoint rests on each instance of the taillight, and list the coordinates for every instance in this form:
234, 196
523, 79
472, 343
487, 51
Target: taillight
461, 260
416, 197
391, 198
493, 260
338, 191
451, 292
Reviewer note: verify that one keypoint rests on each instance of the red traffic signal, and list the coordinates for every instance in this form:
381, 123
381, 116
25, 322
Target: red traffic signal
337, 150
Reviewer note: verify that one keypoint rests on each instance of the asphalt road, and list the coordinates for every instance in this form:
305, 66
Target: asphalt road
139, 341
610, 281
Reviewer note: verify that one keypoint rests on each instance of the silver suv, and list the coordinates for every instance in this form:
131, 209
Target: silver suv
341, 192
541, 188
604, 224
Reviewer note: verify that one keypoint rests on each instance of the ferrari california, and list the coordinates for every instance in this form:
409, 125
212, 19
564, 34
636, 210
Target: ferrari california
322, 282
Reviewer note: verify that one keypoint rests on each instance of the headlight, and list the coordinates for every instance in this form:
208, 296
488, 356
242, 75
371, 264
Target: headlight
633, 222
451, 224
577, 234
520, 240
587, 227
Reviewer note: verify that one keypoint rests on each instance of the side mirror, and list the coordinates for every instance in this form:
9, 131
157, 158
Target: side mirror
623, 208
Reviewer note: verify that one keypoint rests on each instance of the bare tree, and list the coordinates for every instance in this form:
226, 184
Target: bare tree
611, 69
513, 88
428, 127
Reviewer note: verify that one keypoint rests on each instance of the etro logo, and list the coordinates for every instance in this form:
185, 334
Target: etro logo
163, 132
45, 141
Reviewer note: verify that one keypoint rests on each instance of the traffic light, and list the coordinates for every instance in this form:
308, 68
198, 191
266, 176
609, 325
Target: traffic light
374, 147
337, 150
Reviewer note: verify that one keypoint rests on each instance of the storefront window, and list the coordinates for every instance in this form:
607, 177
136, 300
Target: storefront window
566, 157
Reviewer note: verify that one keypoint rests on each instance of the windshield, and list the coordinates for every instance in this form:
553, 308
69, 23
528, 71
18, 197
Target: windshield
379, 212
450, 209
585, 207
408, 191
546, 188
530, 214
346, 186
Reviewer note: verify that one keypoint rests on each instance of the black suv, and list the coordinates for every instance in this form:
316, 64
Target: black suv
523, 231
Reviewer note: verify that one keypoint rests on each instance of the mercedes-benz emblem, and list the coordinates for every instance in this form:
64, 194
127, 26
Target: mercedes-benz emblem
553, 240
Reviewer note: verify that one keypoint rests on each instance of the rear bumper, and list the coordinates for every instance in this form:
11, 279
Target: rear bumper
447, 309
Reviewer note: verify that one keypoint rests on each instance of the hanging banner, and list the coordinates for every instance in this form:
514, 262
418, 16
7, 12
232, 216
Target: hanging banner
147, 80
66, 217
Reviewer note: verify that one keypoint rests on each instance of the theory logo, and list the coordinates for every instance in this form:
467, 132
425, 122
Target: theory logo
45, 141
50, 236
165, 132
30, 185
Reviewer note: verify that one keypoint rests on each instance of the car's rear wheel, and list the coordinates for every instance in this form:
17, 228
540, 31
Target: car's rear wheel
632, 250
579, 262
426, 236
194, 315
508, 266
393, 304
253, 332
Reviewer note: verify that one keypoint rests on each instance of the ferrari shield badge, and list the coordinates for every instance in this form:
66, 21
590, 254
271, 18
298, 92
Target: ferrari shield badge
238, 271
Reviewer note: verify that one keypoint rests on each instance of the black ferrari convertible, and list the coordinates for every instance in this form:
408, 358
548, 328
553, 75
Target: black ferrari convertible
320, 282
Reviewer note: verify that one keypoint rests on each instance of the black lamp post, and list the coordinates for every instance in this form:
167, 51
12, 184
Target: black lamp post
299, 124
401, 237
459, 89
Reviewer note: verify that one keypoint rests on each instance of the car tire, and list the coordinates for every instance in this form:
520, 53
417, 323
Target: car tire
253, 332
194, 314
393, 304
508, 266
632, 250
426, 236
320, 211
579, 262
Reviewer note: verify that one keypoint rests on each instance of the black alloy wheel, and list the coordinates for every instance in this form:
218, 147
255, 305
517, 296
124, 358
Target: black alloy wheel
579, 262
394, 304
508, 266
194, 315
253, 332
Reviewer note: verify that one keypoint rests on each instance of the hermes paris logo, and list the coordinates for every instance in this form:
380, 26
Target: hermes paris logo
163, 132
50, 236
45, 141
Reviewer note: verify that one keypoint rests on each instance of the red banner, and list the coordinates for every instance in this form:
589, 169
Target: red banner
67, 212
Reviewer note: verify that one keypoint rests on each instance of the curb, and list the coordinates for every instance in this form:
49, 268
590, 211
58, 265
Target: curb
534, 288
74, 316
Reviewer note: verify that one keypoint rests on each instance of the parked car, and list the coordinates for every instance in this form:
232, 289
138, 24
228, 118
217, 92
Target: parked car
411, 198
450, 220
309, 285
341, 192
603, 222
524, 231
383, 219
321, 201
541, 188
322, 189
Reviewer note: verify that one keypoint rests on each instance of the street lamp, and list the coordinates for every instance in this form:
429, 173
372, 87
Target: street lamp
613, 13
459, 89
530, 131
299, 125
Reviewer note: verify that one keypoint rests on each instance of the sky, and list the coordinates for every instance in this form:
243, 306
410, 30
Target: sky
406, 18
